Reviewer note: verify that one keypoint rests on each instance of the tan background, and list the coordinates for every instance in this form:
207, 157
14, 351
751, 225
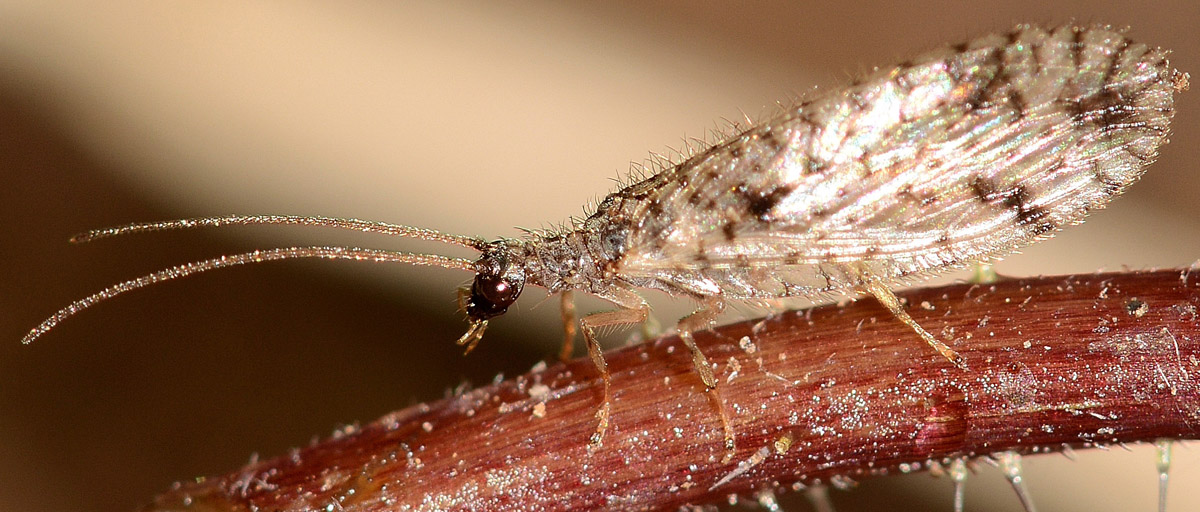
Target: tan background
463, 117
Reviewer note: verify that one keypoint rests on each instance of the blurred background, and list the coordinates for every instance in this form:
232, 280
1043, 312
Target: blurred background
469, 118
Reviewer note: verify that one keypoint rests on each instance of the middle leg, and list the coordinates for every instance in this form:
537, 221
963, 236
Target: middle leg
703, 319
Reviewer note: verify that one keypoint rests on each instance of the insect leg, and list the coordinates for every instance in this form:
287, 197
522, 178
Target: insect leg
633, 310
700, 320
892, 303
568, 318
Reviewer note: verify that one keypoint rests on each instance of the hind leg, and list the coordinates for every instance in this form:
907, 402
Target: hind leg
870, 284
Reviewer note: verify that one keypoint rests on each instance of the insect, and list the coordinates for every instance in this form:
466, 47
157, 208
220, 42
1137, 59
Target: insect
959, 156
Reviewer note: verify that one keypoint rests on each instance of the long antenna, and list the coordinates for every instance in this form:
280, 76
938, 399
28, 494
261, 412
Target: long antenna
259, 256
365, 226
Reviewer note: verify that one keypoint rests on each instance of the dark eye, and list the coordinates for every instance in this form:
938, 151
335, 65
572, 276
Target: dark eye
491, 296
496, 290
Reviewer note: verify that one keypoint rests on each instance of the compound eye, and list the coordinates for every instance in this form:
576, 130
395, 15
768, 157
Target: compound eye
491, 296
496, 290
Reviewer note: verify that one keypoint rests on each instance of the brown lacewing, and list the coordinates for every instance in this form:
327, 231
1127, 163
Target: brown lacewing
959, 156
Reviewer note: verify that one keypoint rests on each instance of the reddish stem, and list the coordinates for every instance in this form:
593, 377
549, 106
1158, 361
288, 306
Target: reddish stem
814, 396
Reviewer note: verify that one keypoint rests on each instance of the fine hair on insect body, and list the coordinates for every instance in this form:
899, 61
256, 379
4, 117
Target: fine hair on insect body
956, 157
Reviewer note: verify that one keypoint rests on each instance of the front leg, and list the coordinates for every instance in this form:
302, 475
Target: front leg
633, 310
568, 319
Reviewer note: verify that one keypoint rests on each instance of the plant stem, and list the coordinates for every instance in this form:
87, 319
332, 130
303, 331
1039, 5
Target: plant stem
816, 396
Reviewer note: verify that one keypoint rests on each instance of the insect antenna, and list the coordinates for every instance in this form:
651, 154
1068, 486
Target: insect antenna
259, 256
365, 226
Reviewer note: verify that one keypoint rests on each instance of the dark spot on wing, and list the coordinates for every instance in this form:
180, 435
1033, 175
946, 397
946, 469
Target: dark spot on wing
958, 68
905, 84
995, 65
772, 139
814, 166
760, 203
850, 134
1017, 100
1013, 37
983, 188
1073, 108
806, 116
1038, 58
655, 207
729, 231
1106, 108
1018, 199
1113, 59
1038, 228
1028, 215
856, 97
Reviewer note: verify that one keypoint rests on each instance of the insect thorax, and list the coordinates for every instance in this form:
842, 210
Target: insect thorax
584, 258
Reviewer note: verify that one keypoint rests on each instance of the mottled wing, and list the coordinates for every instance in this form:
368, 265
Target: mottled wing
965, 154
